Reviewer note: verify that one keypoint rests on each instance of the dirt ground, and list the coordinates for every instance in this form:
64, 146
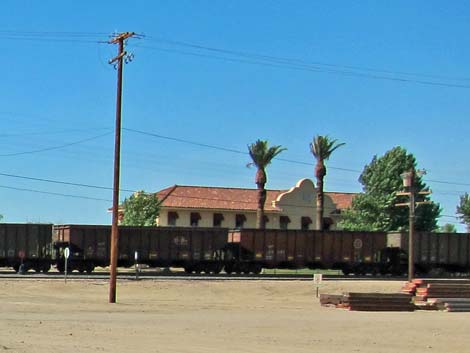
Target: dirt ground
213, 316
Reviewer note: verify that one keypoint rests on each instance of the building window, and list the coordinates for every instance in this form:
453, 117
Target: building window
266, 219
305, 223
240, 220
284, 222
218, 218
194, 219
172, 217
327, 223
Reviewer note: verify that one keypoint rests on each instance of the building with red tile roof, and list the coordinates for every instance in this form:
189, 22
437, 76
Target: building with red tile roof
203, 206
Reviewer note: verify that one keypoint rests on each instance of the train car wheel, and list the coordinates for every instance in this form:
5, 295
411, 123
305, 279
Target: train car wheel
89, 268
218, 269
228, 269
257, 270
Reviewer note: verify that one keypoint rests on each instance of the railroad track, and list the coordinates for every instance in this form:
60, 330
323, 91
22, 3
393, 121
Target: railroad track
158, 275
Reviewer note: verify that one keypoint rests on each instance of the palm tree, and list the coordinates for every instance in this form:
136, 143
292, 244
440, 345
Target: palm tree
322, 147
262, 155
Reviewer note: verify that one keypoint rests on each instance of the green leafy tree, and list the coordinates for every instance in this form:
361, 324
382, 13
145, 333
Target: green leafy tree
375, 209
322, 147
262, 155
463, 210
447, 228
140, 209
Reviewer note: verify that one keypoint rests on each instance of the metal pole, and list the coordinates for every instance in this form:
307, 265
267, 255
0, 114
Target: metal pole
411, 262
136, 259
117, 157
65, 270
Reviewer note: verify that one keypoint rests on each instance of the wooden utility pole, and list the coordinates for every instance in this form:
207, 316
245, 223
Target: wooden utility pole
118, 61
409, 184
411, 226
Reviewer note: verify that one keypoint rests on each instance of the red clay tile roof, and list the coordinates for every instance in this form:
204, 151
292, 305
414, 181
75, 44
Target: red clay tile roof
179, 196
220, 198
342, 200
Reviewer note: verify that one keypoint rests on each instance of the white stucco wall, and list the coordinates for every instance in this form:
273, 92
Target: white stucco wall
207, 218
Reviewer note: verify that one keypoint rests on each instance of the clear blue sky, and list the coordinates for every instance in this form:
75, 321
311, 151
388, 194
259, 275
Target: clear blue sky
58, 89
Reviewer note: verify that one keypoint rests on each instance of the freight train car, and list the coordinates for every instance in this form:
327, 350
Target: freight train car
32, 246
436, 252
358, 252
351, 252
194, 249
26, 246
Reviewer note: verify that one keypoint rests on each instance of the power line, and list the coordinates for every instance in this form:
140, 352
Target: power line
54, 147
53, 193
260, 59
184, 141
244, 201
448, 216
62, 182
51, 39
75, 37
56, 132
447, 182
52, 33
301, 61
220, 148
281, 62
200, 144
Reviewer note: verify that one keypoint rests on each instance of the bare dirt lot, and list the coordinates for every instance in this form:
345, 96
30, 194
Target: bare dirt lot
213, 316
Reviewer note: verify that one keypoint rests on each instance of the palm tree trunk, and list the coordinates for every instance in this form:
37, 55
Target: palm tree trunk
260, 221
319, 218
320, 172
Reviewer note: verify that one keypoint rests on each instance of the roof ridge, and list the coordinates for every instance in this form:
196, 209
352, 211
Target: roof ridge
170, 188
342, 192
221, 187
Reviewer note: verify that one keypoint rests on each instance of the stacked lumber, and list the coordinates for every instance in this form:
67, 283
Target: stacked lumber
443, 290
452, 304
369, 301
449, 295
377, 302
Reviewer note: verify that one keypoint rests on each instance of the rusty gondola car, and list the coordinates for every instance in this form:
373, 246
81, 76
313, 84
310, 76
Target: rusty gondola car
358, 252
436, 253
210, 250
26, 246
194, 249
351, 252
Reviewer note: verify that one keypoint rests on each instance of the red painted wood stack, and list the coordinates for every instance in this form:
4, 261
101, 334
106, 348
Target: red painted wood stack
449, 295
409, 288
